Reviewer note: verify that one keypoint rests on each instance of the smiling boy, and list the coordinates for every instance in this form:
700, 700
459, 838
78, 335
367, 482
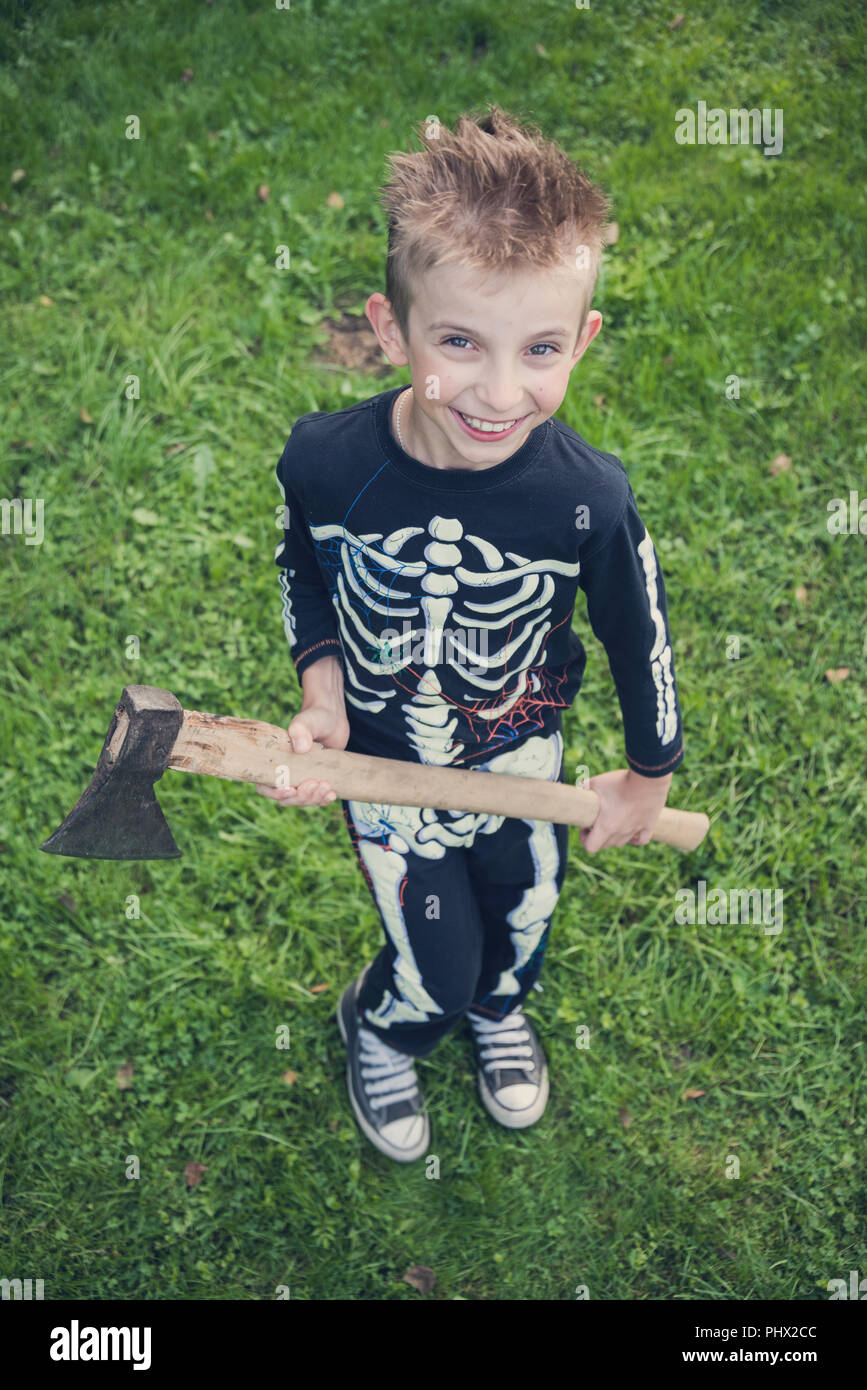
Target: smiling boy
456, 507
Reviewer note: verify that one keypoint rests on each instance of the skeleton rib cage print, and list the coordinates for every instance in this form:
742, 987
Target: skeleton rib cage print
373, 580
456, 645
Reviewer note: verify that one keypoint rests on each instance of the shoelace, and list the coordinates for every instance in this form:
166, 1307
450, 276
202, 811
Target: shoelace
391, 1072
507, 1041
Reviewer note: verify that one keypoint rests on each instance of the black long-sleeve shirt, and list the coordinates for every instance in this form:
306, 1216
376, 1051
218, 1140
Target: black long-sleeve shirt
448, 594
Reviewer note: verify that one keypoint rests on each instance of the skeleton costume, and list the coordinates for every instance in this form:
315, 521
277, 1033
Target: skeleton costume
448, 596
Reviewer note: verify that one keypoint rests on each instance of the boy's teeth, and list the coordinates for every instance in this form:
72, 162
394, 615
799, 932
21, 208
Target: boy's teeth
484, 425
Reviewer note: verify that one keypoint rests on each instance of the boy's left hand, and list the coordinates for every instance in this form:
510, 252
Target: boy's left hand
629, 809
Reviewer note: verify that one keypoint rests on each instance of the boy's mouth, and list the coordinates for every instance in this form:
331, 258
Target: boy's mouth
486, 429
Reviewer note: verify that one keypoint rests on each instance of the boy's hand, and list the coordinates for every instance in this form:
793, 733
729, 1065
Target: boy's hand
629, 809
326, 724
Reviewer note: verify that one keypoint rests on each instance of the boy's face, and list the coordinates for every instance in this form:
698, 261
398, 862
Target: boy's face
495, 348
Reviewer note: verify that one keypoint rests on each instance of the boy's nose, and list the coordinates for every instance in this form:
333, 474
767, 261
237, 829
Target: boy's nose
501, 404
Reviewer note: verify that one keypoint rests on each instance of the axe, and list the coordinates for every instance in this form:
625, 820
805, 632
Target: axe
118, 815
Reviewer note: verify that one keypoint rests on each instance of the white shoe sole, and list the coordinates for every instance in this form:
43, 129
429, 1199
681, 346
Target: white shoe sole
517, 1119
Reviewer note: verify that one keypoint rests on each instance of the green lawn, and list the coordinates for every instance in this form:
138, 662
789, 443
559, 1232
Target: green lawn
153, 259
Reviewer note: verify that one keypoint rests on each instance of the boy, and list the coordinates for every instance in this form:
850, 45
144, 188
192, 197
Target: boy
435, 538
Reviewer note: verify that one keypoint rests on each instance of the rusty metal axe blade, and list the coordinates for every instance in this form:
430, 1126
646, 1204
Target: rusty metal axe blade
118, 815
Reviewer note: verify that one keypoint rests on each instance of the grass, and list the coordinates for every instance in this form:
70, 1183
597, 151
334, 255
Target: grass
157, 257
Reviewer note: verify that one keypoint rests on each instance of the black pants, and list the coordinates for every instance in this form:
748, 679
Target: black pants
465, 901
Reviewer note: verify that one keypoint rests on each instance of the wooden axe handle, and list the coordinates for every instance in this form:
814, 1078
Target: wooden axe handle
249, 750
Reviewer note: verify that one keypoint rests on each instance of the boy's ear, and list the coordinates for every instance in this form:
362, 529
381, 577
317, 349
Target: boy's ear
385, 326
588, 333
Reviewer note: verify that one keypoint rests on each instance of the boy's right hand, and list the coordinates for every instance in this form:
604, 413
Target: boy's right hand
326, 725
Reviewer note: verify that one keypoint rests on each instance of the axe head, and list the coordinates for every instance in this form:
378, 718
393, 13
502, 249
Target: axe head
118, 815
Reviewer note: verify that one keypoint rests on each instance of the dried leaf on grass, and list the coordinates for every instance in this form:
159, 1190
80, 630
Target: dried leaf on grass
193, 1173
421, 1278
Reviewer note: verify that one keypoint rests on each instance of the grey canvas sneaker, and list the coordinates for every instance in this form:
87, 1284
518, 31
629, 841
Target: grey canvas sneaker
382, 1085
512, 1071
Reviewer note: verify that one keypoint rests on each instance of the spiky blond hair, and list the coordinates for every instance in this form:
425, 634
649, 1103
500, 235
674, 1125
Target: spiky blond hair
493, 195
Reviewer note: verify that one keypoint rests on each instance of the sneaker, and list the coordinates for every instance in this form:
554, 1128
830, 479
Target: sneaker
512, 1071
382, 1085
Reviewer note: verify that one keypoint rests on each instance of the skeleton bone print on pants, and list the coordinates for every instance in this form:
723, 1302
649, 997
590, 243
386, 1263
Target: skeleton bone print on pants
370, 584
387, 836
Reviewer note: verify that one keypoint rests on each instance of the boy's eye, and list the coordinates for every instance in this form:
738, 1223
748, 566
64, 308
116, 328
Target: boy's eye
456, 338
